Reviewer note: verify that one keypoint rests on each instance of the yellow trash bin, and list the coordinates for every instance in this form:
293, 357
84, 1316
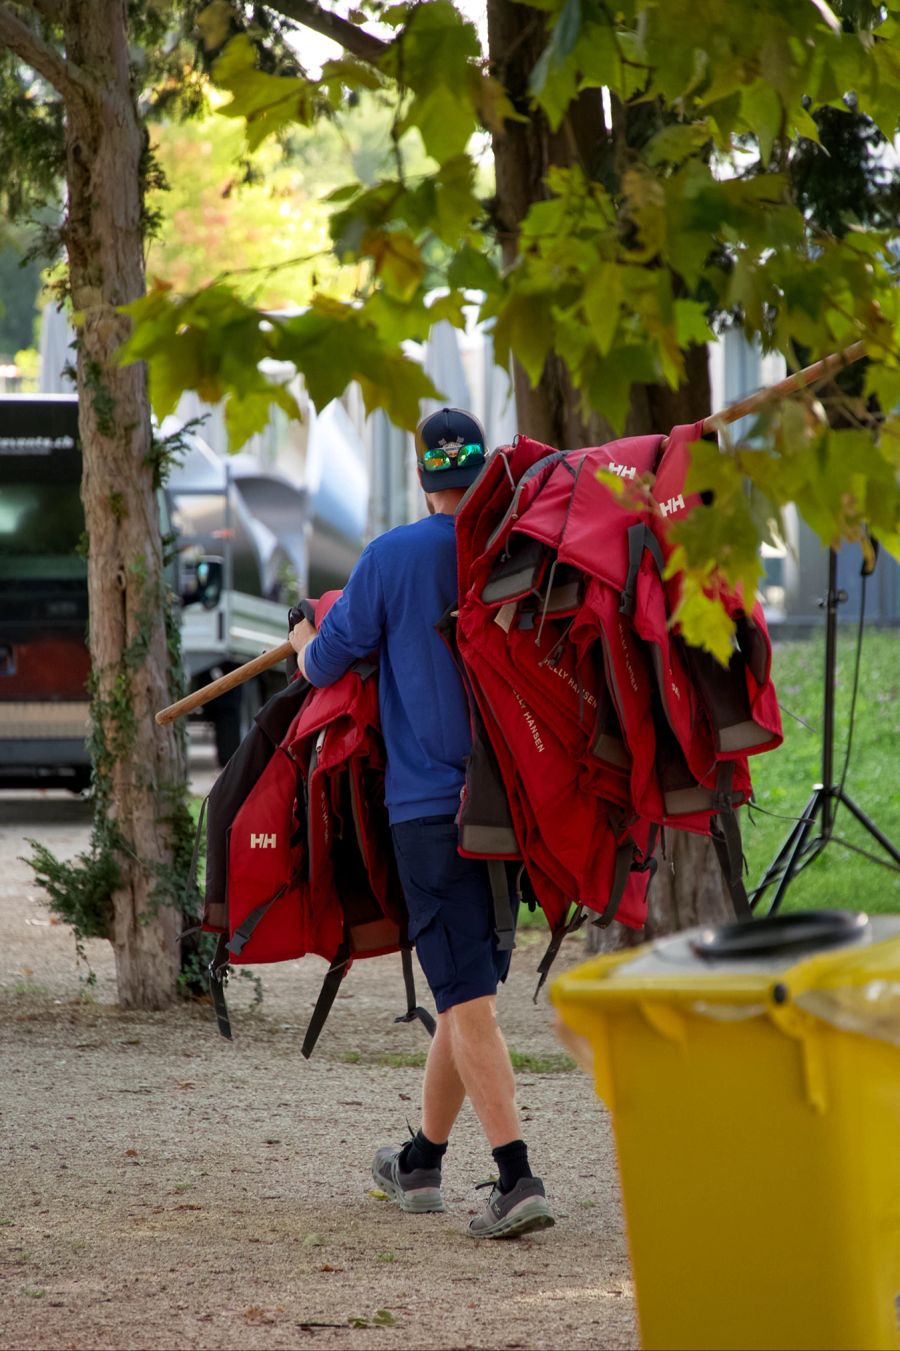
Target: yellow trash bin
753, 1076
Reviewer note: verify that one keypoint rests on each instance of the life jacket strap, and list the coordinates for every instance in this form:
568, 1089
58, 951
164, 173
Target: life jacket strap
195, 852
327, 995
217, 973
561, 931
504, 919
726, 837
624, 861
640, 537
244, 931
413, 1010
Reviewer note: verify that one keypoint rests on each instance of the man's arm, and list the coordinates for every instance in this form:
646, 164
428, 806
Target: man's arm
351, 629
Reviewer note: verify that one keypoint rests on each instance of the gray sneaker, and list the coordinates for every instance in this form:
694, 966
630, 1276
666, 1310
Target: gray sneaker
417, 1191
509, 1214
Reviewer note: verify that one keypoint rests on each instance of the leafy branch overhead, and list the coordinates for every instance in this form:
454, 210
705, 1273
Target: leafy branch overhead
677, 213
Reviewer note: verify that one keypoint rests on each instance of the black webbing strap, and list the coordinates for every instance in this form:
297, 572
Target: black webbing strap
327, 995
561, 931
413, 1010
244, 931
726, 837
195, 852
640, 537
217, 972
504, 919
624, 860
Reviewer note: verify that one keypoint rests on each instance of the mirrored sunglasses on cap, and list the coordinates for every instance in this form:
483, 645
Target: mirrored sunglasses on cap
449, 457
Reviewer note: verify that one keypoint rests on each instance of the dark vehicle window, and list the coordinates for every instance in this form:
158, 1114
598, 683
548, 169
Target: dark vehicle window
40, 528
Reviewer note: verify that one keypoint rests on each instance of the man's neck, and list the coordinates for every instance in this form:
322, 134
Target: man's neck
445, 503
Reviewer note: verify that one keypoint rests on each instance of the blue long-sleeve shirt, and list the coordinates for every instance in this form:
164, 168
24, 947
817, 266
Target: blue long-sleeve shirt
401, 586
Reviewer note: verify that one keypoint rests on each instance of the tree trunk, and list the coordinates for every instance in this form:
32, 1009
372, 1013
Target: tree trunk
523, 152
138, 768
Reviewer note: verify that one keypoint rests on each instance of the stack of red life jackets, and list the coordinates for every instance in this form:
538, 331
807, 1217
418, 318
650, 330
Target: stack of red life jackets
594, 727
605, 725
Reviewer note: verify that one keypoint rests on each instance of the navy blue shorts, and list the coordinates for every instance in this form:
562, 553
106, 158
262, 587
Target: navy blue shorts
451, 912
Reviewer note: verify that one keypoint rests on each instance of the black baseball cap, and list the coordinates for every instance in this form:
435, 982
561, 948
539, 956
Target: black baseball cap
450, 449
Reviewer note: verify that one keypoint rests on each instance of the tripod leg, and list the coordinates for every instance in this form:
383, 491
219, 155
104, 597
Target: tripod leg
867, 824
812, 809
776, 867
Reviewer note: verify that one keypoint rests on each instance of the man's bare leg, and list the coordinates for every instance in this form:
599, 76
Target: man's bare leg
483, 1065
443, 1092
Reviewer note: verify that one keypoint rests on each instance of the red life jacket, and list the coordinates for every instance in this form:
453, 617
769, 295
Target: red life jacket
310, 863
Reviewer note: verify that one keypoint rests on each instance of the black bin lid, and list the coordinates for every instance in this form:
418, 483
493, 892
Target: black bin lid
781, 935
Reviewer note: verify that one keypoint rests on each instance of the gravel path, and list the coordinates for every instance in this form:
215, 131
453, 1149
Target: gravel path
162, 1188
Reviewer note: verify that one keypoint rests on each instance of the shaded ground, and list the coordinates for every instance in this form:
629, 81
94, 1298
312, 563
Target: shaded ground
163, 1188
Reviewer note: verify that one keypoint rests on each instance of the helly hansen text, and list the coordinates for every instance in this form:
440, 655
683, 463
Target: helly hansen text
263, 841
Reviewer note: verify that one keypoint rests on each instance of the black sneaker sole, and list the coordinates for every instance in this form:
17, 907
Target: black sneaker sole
423, 1202
528, 1219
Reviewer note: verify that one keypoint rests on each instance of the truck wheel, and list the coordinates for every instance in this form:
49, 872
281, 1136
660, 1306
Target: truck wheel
233, 716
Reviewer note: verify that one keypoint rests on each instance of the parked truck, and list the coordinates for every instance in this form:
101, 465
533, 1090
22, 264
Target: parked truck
247, 540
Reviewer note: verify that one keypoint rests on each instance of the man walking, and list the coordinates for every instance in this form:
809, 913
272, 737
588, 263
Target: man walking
403, 584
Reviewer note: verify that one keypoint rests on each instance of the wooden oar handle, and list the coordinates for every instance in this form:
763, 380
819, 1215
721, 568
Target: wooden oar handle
790, 385
224, 683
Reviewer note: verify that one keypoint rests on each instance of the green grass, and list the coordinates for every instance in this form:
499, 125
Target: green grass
541, 1064
398, 1060
783, 779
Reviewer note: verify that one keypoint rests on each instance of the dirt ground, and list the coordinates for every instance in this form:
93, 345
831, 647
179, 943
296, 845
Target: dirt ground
162, 1188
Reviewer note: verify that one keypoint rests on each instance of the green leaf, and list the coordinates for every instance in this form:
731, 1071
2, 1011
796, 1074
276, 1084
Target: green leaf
606, 381
598, 56
602, 297
704, 622
214, 23
266, 102
471, 269
438, 41
884, 383
554, 80
675, 143
349, 72
445, 118
451, 307
691, 323
492, 103
454, 207
804, 125
398, 261
558, 87
761, 110
524, 326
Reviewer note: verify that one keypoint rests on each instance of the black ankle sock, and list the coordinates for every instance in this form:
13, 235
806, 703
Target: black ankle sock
421, 1152
512, 1160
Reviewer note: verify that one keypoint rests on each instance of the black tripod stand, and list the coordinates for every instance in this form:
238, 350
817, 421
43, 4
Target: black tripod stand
801, 845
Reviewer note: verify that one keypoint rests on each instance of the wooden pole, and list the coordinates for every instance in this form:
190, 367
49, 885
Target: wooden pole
790, 385
224, 683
